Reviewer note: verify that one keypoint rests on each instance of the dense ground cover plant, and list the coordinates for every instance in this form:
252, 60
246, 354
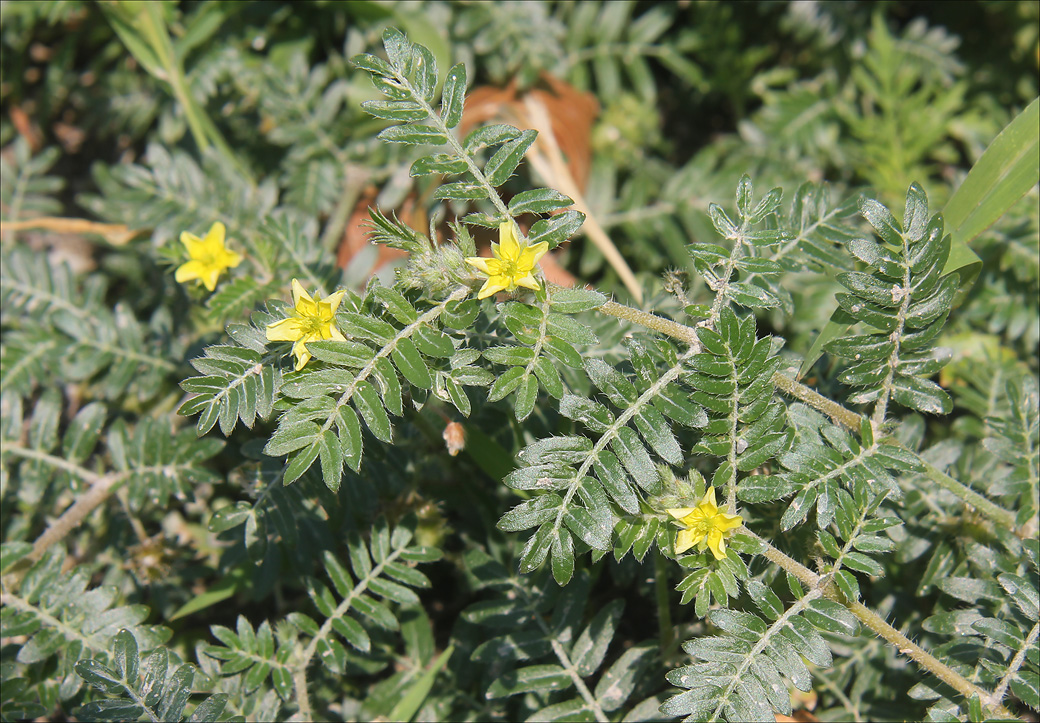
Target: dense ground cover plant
592, 436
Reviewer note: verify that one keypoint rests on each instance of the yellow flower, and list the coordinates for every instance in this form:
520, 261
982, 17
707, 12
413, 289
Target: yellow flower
706, 526
512, 265
310, 320
208, 257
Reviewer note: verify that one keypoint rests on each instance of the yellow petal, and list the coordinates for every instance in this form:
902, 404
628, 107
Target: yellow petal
508, 246
334, 333
530, 255
684, 540
333, 301
493, 285
709, 497
717, 544
299, 294
528, 282
726, 522
303, 356
479, 262
209, 279
679, 512
190, 241
284, 330
232, 259
188, 271
215, 236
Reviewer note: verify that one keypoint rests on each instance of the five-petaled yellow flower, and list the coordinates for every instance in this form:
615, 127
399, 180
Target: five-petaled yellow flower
512, 265
310, 320
208, 257
706, 526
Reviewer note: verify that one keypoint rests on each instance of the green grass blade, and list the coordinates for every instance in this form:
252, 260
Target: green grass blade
1004, 173
409, 705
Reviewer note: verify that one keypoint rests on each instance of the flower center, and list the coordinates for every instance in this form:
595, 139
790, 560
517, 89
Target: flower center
209, 259
702, 522
312, 324
509, 268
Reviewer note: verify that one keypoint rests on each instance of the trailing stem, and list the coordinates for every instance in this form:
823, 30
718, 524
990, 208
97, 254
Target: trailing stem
885, 631
101, 486
853, 421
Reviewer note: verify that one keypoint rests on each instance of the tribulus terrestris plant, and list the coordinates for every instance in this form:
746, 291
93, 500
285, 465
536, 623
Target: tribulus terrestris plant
776, 523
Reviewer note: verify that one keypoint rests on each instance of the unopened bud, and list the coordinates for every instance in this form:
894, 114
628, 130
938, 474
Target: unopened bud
454, 438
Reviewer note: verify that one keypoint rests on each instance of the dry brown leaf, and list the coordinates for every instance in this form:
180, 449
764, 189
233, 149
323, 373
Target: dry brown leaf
571, 113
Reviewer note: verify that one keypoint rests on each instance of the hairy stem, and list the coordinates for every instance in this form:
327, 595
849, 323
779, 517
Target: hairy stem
369, 368
1014, 666
611, 432
561, 655
299, 675
51, 460
543, 334
652, 321
303, 697
853, 421
763, 643
881, 407
586, 694
101, 486
924, 659
74, 515
70, 632
995, 513
841, 415
733, 421
885, 631
665, 629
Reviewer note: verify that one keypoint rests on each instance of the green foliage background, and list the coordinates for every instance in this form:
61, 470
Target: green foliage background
250, 543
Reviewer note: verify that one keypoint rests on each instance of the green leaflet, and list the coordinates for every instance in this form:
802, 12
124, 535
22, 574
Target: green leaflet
454, 95
722, 677
538, 200
254, 650
505, 160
